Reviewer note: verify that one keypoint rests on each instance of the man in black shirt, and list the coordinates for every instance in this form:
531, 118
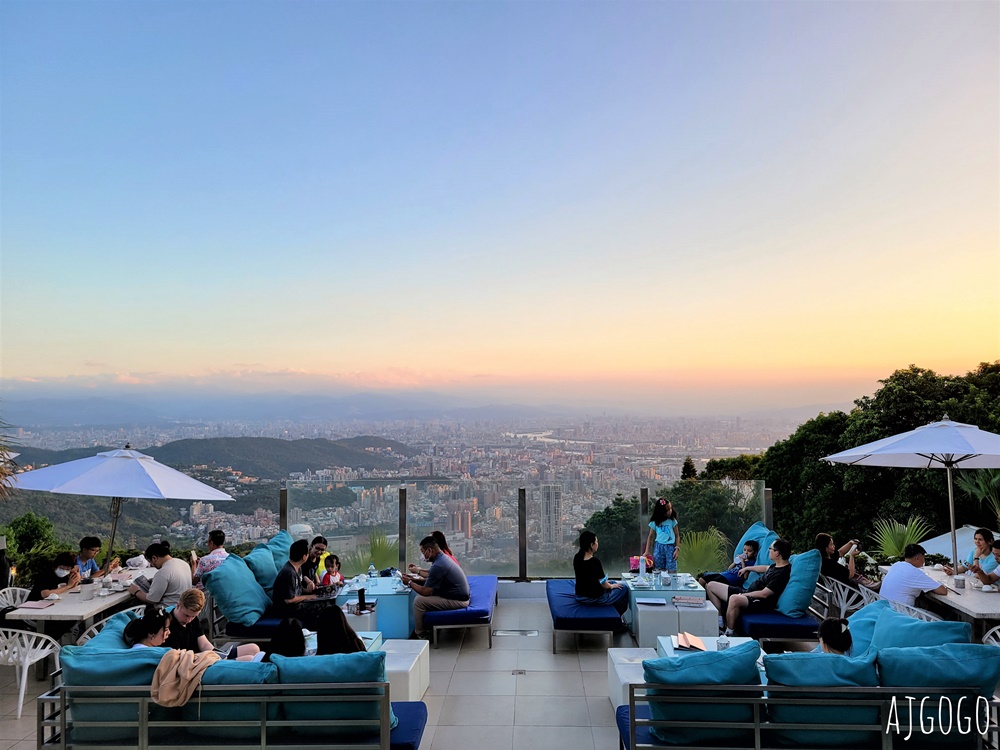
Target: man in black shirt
761, 595
186, 631
286, 594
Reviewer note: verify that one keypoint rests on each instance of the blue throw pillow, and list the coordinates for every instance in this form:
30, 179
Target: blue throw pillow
237, 674
862, 625
951, 665
794, 600
261, 564
735, 666
279, 545
896, 630
236, 592
111, 634
822, 670
86, 665
360, 667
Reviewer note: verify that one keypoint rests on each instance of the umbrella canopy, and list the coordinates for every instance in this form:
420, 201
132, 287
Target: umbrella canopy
938, 445
117, 474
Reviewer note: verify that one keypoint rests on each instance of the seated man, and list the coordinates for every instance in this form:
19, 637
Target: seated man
173, 577
993, 577
287, 593
216, 544
905, 580
761, 595
731, 576
86, 562
186, 631
446, 586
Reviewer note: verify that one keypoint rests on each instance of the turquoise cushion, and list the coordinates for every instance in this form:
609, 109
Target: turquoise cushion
236, 592
86, 665
822, 670
862, 625
110, 636
360, 667
896, 630
235, 673
735, 666
279, 545
951, 665
794, 600
261, 564
763, 536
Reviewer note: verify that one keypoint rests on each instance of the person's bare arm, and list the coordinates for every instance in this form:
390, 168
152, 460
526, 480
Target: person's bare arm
649, 543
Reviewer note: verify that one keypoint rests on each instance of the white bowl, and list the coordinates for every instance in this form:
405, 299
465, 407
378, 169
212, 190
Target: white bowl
989, 588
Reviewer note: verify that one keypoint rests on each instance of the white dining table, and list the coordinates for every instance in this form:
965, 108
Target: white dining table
971, 601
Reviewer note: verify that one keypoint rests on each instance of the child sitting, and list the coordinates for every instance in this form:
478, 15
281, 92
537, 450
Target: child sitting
732, 576
332, 574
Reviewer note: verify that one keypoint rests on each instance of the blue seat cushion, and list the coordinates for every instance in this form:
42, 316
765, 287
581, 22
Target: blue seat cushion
236, 592
896, 630
795, 599
263, 628
112, 634
777, 625
409, 731
734, 666
237, 674
862, 625
820, 671
482, 596
569, 614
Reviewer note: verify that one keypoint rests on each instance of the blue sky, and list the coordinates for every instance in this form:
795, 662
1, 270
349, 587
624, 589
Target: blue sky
666, 204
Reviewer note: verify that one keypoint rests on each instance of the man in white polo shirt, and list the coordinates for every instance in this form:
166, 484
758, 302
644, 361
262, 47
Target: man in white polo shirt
905, 580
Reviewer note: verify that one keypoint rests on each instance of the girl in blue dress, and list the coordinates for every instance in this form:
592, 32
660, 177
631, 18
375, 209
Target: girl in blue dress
664, 532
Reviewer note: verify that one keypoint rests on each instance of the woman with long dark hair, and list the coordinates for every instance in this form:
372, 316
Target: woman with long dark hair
592, 585
334, 635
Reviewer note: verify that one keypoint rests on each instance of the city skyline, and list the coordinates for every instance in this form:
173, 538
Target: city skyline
681, 208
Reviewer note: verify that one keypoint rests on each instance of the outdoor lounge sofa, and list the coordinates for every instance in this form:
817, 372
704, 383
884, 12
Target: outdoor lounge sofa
570, 616
479, 613
101, 698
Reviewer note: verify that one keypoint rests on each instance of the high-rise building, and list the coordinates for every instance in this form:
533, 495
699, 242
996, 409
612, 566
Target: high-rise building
551, 504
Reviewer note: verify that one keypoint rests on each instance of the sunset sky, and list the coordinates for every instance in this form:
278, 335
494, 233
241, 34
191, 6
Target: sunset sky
681, 207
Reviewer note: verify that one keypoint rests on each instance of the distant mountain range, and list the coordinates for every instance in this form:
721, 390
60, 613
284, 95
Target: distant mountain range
267, 458
165, 410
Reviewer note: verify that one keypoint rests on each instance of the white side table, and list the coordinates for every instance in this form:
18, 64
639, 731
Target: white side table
408, 669
653, 621
624, 669
367, 621
701, 622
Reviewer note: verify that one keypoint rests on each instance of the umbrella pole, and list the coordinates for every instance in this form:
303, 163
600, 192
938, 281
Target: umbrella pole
951, 508
116, 512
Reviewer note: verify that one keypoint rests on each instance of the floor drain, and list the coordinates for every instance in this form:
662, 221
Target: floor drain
527, 633
519, 671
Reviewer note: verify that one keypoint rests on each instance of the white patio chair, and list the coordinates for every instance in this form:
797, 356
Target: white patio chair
992, 636
868, 595
920, 614
12, 596
97, 627
20, 649
845, 599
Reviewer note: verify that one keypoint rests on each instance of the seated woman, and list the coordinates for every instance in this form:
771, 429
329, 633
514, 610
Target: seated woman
60, 579
731, 577
835, 636
762, 595
335, 635
152, 629
443, 546
288, 640
592, 585
981, 556
830, 554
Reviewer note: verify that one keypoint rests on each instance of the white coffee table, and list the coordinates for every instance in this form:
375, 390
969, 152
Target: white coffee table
408, 668
665, 647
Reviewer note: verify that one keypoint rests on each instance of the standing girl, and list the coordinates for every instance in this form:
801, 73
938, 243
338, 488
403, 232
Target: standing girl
664, 532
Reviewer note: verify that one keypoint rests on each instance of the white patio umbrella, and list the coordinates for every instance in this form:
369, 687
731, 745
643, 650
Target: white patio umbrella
938, 445
118, 474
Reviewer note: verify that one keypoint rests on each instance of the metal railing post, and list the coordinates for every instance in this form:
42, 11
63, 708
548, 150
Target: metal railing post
283, 508
522, 534
643, 515
402, 528
768, 509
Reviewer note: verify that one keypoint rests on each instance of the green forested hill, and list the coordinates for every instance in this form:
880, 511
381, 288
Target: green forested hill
268, 458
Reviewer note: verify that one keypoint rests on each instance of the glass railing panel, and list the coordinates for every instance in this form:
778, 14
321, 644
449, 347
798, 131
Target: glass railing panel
478, 519
358, 517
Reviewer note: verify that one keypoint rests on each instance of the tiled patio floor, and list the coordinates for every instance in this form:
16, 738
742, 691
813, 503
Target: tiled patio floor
475, 700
